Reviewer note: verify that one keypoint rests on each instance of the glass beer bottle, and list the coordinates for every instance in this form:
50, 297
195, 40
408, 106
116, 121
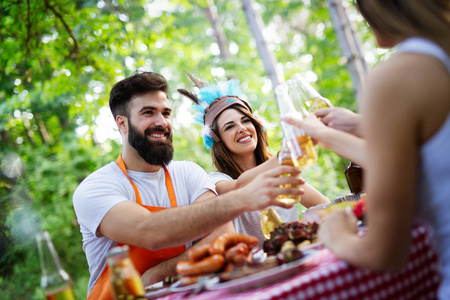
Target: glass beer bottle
303, 151
270, 220
55, 282
354, 176
285, 159
308, 96
126, 282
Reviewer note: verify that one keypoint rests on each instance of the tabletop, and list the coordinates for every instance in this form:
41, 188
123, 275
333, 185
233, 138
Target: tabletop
322, 276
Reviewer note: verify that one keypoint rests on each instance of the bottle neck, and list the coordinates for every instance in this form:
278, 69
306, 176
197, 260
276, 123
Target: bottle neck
47, 255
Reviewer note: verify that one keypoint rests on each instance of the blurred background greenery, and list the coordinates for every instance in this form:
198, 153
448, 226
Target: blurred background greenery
58, 61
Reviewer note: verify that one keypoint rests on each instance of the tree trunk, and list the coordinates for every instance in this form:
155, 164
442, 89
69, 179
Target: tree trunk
45, 136
29, 132
349, 42
256, 25
211, 13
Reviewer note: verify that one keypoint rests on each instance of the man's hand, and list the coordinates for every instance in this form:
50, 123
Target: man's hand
263, 190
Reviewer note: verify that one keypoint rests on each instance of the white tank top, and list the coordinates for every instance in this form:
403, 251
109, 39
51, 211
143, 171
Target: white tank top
434, 181
424, 46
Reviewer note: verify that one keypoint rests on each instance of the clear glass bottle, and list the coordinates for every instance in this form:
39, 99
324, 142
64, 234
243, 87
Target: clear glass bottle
285, 159
303, 151
55, 282
309, 96
354, 176
270, 220
125, 279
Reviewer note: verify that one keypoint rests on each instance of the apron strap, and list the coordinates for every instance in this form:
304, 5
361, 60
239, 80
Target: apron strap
168, 181
169, 186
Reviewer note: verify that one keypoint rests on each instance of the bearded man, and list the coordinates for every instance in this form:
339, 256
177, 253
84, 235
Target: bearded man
143, 199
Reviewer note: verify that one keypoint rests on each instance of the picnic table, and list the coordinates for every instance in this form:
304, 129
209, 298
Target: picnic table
321, 275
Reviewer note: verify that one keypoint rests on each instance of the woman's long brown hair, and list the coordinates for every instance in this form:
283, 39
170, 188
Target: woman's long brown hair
221, 155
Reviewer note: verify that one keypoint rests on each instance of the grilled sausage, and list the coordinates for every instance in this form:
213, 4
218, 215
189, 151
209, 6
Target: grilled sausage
188, 280
197, 253
241, 248
220, 244
207, 265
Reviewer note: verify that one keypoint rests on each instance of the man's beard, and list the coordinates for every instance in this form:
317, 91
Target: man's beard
153, 152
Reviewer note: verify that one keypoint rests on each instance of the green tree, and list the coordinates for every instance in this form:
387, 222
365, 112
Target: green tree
59, 59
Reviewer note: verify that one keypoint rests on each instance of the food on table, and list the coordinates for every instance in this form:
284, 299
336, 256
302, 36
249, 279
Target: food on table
199, 252
294, 233
237, 254
229, 256
223, 242
223, 254
189, 280
207, 265
357, 202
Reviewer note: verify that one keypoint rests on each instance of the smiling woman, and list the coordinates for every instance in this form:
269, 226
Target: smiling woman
239, 134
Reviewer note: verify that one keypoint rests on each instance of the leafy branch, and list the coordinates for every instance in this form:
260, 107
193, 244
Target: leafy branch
66, 26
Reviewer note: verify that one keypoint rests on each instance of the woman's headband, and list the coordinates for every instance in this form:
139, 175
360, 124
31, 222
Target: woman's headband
211, 101
218, 106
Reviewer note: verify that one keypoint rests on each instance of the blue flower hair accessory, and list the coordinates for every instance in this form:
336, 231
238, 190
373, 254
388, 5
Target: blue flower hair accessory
211, 101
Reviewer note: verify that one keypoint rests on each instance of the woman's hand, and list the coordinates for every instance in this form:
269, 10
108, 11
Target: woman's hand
341, 119
337, 227
311, 125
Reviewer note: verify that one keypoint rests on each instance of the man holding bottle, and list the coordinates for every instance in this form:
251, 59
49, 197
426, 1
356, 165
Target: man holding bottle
126, 201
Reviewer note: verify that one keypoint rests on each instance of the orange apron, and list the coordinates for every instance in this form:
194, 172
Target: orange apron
142, 258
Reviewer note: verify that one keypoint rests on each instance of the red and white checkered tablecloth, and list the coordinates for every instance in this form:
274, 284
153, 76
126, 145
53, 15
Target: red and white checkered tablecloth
323, 276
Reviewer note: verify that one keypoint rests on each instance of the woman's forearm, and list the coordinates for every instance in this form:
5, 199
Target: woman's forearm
346, 145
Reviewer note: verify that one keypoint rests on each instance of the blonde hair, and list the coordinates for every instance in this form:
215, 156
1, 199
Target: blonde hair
406, 18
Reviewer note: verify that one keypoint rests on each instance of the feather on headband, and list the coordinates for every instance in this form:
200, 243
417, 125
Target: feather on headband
211, 101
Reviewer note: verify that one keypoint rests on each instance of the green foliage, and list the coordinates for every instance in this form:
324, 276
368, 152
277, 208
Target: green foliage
58, 63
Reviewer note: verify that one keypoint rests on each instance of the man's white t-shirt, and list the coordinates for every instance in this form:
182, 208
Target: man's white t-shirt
249, 222
108, 186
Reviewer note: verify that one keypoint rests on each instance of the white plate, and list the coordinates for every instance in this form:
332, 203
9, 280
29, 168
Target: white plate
156, 290
178, 287
261, 278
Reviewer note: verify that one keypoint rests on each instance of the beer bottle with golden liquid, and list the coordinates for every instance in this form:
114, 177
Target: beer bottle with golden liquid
303, 151
354, 176
270, 220
285, 159
55, 282
126, 281
308, 96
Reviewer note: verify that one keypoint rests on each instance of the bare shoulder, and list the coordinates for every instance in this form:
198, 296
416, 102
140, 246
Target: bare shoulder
413, 86
412, 75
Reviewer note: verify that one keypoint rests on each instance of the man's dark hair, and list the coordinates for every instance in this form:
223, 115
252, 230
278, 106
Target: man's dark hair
139, 84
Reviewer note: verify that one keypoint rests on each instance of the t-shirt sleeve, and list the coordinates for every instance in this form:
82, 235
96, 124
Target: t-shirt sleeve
198, 181
94, 197
215, 177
